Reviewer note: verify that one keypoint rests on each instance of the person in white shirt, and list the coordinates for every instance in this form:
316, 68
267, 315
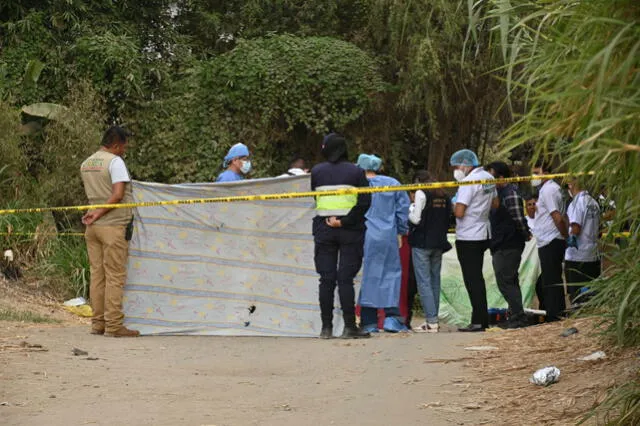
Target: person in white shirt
296, 168
473, 230
550, 231
582, 259
530, 207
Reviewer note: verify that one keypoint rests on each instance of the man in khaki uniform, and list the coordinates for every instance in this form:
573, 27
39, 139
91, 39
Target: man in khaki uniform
106, 181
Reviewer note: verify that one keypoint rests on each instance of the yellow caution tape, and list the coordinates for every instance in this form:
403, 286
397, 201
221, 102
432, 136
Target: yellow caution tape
81, 234
289, 195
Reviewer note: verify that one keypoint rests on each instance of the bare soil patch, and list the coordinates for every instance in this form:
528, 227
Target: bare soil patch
24, 296
58, 374
502, 376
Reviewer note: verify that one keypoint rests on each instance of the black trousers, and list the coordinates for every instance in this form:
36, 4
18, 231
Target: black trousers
338, 258
505, 265
580, 272
540, 293
471, 258
551, 258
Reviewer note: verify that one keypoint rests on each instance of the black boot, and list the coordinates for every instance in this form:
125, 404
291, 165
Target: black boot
351, 330
517, 321
327, 332
355, 333
472, 328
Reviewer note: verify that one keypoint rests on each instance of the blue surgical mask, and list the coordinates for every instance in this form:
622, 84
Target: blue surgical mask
246, 167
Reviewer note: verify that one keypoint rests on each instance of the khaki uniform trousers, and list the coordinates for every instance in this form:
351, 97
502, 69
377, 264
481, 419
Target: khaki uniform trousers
108, 250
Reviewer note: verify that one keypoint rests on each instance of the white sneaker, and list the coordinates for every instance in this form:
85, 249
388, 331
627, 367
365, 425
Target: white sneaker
433, 327
422, 328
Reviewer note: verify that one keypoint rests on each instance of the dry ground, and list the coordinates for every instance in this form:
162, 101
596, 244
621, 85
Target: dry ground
386, 380
227, 381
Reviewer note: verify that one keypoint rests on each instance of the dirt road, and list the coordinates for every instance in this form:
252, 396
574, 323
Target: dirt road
229, 381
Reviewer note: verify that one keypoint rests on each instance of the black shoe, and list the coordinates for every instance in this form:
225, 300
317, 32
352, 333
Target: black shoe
516, 324
471, 328
326, 333
355, 333
517, 321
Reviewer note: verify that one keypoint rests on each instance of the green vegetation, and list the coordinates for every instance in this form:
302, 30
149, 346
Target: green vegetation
572, 75
191, 78
8, 314
411, 81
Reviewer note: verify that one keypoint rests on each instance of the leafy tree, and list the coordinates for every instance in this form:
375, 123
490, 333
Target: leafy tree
258, 93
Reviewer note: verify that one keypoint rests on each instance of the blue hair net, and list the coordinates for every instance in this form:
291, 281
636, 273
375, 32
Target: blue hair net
464, 157
238, 150
369, 162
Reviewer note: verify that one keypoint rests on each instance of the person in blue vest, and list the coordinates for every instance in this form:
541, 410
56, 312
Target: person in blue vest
338, 231
386, 223
237, 163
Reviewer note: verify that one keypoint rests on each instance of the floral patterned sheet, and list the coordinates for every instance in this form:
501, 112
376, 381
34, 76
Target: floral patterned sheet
246, 268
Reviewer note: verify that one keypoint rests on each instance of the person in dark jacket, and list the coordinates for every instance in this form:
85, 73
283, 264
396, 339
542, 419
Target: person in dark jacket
429, 222
338, 231
509, 232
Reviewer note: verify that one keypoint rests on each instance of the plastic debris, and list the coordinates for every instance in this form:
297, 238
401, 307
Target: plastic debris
569, 331
594, 356
81, 311
8, 255
76, 302
545, 376
481, 348
8, 267
78, 306
431, 404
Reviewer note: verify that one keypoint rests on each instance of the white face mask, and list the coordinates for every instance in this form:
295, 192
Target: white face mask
246, 167
536, 182
459, 175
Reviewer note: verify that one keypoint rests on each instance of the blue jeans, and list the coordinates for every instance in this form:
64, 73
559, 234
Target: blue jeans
369, 316
427, 264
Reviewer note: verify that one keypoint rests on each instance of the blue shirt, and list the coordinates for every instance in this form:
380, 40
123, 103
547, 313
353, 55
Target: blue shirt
229, 176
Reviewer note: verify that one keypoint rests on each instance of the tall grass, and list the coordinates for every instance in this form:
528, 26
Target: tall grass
9, 314
67, 267
41, 168
59, 263
572, 72
575, 64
